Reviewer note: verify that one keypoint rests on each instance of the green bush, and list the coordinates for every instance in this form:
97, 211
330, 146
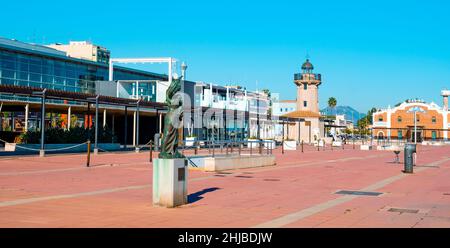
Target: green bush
72, 136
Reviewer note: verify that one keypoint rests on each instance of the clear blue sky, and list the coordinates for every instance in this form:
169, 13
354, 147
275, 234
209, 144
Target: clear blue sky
369, 54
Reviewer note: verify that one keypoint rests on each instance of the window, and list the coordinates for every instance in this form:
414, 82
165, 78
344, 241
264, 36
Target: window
433, 119
305, 86
400, 134
380, 118
305, 104
399, 119
281, 110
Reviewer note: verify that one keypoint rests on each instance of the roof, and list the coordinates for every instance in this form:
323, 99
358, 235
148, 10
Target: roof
77, 96
301, 114
307, 65
289, 101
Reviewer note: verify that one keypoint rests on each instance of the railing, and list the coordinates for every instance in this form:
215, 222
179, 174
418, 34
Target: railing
307, 76
227, 147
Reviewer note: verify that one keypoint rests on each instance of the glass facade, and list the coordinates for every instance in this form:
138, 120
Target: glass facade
35, 70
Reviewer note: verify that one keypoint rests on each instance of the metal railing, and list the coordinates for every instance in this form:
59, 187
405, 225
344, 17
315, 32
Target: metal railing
228, 147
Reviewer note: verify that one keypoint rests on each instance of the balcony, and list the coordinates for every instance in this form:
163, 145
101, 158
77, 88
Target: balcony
307, 76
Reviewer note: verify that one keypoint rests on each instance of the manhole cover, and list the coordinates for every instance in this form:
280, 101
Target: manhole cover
403, 210
244, 176
351, 192
272, 179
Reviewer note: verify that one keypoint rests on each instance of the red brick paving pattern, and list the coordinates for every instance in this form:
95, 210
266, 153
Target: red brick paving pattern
298, 181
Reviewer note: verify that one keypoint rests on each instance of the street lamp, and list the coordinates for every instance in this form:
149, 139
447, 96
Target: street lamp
42, 94
96, 121
415, 110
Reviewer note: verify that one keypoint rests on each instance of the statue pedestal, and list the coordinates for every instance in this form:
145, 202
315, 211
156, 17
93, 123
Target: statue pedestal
170, 182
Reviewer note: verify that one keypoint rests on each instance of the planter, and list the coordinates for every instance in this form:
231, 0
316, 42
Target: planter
337, 143
366, 147
290, 145
13, 147
252, 143
270, 144
190, 141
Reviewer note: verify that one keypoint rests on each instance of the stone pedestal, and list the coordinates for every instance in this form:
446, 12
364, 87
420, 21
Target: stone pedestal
170, 182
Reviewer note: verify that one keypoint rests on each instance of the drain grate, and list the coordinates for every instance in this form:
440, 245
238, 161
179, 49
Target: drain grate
272, 179
244, 176
403, 210
355, 192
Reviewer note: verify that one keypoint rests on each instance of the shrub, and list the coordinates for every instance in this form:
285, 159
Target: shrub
72, 136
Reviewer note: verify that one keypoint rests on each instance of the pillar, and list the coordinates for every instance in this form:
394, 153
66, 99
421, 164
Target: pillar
160, 123
134, 128
104, 118
27, 109
69, 119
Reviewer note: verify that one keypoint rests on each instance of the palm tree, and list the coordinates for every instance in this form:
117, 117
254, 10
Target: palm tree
332, 102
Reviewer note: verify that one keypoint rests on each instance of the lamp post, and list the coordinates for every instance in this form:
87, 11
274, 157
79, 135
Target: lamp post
42, 94
415, 110
96, 122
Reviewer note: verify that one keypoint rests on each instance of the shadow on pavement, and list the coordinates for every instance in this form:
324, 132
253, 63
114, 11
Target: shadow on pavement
198, 195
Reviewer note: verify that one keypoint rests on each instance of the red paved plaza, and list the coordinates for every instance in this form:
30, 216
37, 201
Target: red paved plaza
300, 191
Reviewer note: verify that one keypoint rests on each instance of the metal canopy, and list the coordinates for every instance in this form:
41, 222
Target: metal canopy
77, 96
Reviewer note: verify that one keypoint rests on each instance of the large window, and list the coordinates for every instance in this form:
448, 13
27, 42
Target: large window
433, 119
305, 104
305, 86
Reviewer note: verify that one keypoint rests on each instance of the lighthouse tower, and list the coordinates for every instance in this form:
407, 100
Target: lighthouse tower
307, 88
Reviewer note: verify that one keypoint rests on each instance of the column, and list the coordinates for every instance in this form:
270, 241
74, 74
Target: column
69, 118
104, 118
160, 123
27, 109
134, 128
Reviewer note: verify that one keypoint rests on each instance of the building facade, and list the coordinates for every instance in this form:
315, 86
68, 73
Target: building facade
398, 123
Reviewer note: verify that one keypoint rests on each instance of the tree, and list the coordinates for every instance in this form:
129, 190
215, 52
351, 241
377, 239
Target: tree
332, 102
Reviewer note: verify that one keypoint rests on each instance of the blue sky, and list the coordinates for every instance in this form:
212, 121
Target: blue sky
370, 53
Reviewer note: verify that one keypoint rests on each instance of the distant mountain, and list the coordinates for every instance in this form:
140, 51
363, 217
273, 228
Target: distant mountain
349, 112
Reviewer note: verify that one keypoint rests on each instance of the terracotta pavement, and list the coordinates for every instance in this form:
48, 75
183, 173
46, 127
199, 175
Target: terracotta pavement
300, 191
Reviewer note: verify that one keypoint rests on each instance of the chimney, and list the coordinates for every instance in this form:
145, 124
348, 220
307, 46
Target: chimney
445, 94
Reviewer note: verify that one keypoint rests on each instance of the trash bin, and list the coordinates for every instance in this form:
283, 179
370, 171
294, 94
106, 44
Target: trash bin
410, 149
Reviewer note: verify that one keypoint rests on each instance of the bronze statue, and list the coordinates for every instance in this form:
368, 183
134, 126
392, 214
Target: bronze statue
172, 121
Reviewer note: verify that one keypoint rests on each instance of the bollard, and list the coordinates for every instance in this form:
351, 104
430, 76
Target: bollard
251, 148
226, 148
318, 146
232, 144
213, 149
302, 146
88, 153
240, 148
282, 147
151, 151
196, 147
260, 148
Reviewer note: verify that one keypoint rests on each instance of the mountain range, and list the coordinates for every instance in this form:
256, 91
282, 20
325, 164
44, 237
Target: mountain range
349, 112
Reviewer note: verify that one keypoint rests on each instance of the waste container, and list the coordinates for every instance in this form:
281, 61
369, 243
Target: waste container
410, 149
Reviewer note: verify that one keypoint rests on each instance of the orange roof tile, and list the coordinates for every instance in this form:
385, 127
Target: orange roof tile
301, 113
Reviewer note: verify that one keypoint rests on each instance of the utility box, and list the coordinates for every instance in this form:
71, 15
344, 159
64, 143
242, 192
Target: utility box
410, 150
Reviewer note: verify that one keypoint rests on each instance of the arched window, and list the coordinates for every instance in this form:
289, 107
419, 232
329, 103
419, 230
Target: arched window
399, 119
433, 119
